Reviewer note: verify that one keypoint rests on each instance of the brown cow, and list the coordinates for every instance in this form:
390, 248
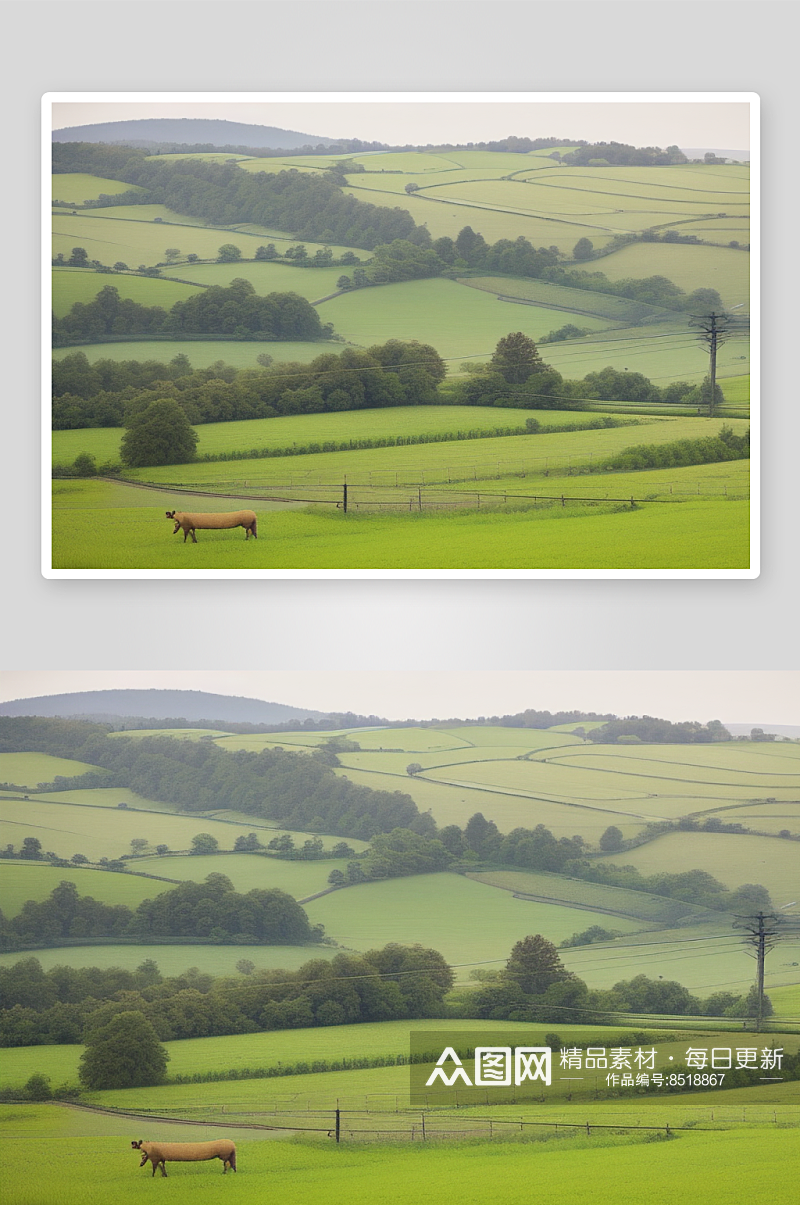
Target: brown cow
186, 1152
216, 519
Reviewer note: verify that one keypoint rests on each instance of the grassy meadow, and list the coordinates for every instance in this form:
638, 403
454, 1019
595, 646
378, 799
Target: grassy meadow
690, 535
301, 430
495, 1173
501, 196
473, 919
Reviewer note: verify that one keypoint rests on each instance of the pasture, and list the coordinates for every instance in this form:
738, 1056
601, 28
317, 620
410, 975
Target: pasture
686, 535
77, 187
467, 921
720, 268
201, 354
264, 276
457, 321
30, 769
71, 285
134, 241
32, 881
715, 1164
457, 461
249, 871
107, 832
732, 858
301, 430
175, 959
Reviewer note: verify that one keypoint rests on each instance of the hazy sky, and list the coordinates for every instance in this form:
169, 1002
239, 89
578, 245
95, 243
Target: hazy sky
641, 122
733, 696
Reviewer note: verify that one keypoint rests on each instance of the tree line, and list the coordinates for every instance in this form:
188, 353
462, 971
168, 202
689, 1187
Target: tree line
235, 312
395, 373
309, 205
64, 1005
296, 790
210, 911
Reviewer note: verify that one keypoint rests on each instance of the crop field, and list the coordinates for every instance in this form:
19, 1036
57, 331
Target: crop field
29, 769
106, 832
71, 285
732, 858
466, 921
102, 797
77, 187
688, 535
175, 959
304, 429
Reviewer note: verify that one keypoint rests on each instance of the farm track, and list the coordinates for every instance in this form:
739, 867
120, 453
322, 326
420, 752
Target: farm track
145, 1115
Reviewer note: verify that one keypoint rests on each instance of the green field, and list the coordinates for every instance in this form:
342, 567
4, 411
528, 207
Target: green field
303, 429
200, 354
732, 858
175, 959
265, 277
455, 461
77, 187
71, 285
107, 831
135, 241
715, 1164
248, 871
22, 882
597, 896
466, 921
457, 321
688, 535
29, 769
727, 271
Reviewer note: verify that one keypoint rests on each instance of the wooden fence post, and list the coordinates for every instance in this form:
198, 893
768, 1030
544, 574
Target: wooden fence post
344, 507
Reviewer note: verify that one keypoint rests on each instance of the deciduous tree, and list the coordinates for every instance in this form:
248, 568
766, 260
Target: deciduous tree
125, 1053
516, 357
159, 434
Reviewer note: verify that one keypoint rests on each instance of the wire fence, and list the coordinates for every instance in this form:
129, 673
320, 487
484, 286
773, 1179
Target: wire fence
419, 496
424, 1124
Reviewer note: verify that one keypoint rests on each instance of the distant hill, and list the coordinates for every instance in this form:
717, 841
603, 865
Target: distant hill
697, 152
790, 730
193, 705
190, 131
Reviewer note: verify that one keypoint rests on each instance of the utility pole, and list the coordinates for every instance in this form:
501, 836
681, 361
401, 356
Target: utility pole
762, 934
714, 329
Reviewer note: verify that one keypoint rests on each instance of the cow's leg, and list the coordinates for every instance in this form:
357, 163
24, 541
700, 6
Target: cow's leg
163, 1168
194, 537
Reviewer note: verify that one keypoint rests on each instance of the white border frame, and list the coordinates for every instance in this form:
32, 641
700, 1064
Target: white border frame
374, 98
